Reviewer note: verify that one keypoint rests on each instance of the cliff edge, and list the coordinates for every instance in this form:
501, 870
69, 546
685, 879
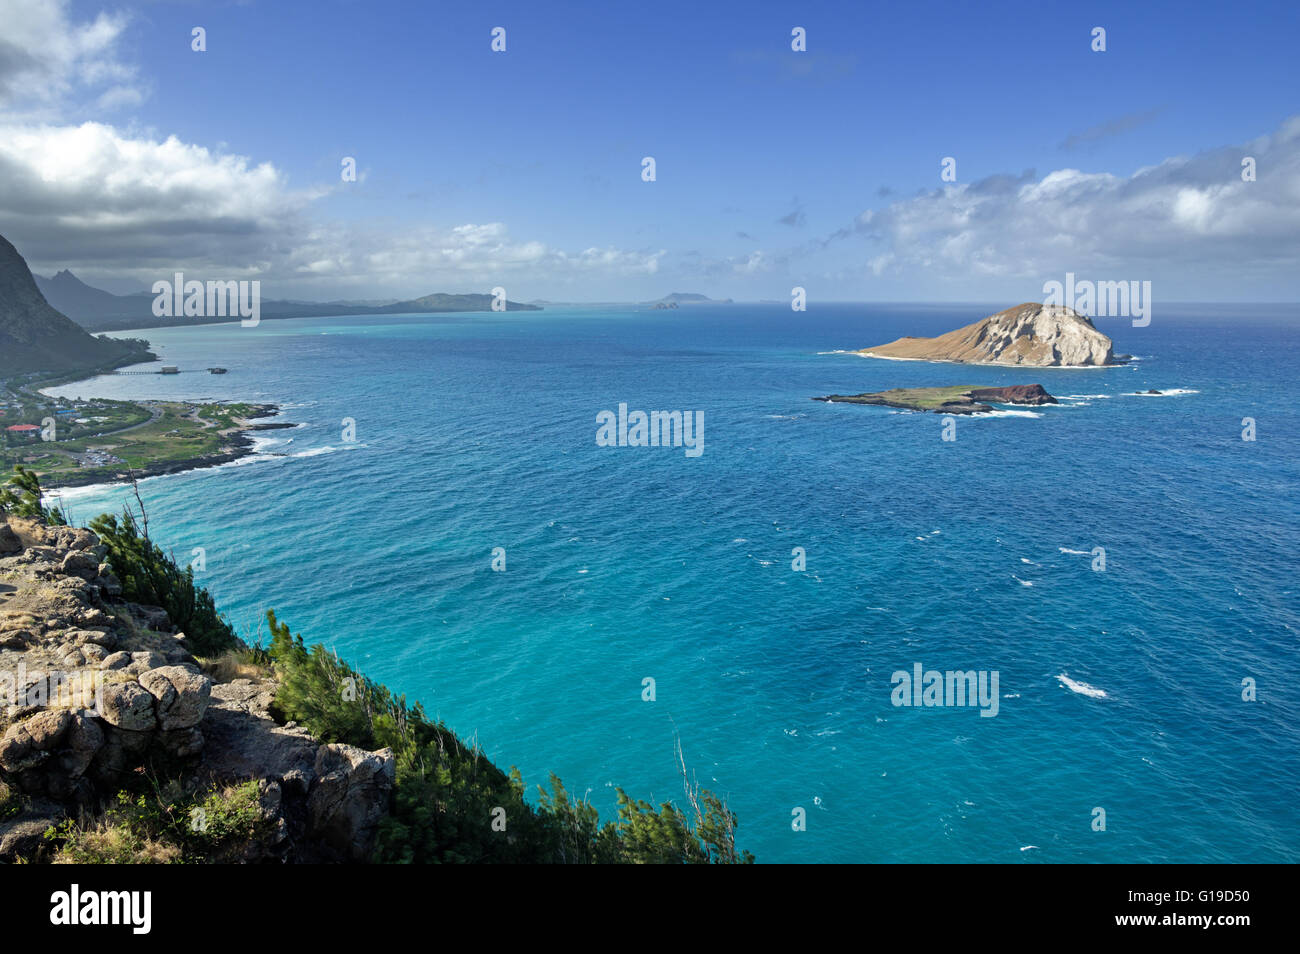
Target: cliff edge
96, 691
1029, 334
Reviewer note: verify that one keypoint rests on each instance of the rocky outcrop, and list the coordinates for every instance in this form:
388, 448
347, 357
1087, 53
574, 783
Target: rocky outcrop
349, 798
948, 400
1013, 394
1030, 334
94, 690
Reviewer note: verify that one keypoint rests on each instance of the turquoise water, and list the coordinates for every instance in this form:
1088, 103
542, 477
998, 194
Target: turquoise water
478, 431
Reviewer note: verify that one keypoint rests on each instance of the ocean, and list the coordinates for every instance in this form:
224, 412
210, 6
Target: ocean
1119, 689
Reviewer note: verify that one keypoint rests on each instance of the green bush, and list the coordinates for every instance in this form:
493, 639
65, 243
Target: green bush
152, 577
447, 794
161, 827
22, 498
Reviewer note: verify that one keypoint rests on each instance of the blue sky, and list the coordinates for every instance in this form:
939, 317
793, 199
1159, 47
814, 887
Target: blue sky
774, 168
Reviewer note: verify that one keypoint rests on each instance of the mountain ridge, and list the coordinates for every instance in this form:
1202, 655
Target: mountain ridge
34, 336
97, 310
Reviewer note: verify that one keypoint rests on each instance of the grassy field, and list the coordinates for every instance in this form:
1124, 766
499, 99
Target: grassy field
155, 432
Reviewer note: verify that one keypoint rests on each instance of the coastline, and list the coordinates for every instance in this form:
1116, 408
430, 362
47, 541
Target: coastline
985, 364
240, 444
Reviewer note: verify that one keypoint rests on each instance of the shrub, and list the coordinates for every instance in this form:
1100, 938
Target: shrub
447, 794
22, 498
150, 576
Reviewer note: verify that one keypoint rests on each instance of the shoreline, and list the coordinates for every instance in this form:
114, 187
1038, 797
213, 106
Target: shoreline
985, 364
241, 445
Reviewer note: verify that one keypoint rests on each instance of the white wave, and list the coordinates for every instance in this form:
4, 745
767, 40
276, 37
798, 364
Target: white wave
1009, 413
329, 449
1022, 582
1075, 552
1086, 397
1082, 688
1029, 848
1172, 392
885, 357
1027, 560
261, 443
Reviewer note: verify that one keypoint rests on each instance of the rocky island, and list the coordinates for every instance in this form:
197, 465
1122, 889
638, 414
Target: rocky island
1030, 334
948, 400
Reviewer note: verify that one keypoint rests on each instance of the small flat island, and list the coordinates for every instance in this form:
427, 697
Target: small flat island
956, 399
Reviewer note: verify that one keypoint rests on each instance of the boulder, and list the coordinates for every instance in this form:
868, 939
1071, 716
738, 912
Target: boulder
9, 542
80, 563
116, 661
127, 705
81, 744
182, 696
29, 743
24, 836
142, 662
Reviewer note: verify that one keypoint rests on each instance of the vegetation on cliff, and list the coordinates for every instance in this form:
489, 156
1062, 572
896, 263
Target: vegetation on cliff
453, 805
21, 496
153, 578
445, 802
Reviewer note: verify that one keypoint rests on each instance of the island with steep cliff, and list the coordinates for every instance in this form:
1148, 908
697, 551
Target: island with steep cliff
1027, 335
948, 400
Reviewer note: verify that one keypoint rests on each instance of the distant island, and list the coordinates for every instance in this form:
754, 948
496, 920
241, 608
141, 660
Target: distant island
687, 298
97, 310
1029, 334
959, 399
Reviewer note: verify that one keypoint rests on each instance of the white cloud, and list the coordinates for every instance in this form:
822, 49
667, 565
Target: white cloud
103, 202
1184, 215
46, 59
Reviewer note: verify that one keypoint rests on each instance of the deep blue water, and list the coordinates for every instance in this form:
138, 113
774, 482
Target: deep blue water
478, 431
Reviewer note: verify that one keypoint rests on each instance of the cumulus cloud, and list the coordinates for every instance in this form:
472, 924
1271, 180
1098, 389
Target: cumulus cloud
89, 194
1185, 214
47, 59
125, 205
107, 203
